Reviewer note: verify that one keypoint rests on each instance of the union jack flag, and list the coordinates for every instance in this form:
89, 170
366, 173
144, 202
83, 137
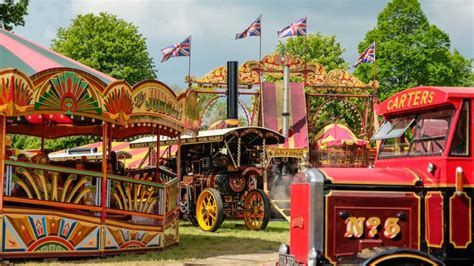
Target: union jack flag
297, 28
179, 49
367, 56
253, 30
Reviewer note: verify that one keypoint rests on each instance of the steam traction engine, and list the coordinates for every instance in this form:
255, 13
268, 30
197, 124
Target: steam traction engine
413, 208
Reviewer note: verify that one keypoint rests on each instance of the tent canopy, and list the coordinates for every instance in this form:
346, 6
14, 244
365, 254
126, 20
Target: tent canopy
31, 58
272, 94
337, 134
132, 157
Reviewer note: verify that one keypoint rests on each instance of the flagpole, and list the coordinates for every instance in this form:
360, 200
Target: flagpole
260, 63
305, 51
375, 71
304, 56
189, 64
260, 47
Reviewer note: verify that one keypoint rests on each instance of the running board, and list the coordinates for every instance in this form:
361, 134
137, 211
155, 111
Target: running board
283, 211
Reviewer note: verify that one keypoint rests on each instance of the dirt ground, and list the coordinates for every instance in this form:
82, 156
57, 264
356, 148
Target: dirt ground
242, 259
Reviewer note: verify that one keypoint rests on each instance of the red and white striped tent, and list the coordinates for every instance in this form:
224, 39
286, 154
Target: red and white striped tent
138, 155
31, 58
273, 108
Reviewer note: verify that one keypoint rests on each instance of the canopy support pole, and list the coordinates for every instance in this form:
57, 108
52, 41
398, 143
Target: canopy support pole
178, 160
42, 137
286, 101
157, 175
3, 133
104, 172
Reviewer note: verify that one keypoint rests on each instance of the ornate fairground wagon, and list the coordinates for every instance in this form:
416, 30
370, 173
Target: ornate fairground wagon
222, 175
316, 93
413, 208
82, 207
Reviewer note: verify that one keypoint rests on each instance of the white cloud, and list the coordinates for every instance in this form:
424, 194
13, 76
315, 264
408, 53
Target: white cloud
213, 25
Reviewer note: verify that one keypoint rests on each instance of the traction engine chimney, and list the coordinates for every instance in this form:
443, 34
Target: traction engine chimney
232, 91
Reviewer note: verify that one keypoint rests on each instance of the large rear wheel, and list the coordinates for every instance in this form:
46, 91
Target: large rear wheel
209, 210
256, 210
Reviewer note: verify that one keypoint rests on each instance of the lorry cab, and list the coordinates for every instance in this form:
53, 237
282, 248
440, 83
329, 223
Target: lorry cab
428, 130
412, 208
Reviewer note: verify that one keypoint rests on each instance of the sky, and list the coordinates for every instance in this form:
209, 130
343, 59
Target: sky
213, 25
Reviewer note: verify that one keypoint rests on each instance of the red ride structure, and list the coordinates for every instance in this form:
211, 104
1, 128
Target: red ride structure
413, 208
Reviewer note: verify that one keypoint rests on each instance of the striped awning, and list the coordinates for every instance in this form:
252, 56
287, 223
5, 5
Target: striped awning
337, 134
273, 108
138, 154
30, 58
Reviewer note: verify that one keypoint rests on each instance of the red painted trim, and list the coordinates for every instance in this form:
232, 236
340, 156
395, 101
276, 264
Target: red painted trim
132, 243
35, 244
460, 234
434, 228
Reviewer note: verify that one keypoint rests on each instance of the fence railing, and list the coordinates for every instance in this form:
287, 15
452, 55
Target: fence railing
69, 188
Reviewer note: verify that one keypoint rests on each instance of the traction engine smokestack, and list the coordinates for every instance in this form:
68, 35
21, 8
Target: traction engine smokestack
232, 93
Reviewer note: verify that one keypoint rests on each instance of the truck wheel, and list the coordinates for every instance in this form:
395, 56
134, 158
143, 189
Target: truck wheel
256, 210
209, 210
397, 256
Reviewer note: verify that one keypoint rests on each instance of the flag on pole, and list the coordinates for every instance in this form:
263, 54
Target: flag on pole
179, 49
368, 56
253, 30
297, 28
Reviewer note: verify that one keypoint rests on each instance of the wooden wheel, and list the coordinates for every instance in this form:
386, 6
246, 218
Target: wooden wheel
256, 210
237, 183
209, 210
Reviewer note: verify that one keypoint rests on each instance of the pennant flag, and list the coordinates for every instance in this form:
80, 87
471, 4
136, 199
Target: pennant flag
253, 30
297, 28
367, 56
179, 49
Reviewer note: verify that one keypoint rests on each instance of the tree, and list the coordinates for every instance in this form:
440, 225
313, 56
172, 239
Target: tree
411, 52
108, 44
11, 13
317, 48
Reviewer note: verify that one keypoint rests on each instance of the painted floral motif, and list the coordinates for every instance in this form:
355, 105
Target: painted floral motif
68, 93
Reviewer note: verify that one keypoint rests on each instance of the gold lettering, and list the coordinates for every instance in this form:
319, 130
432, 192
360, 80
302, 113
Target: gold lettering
391, 228
354, 227
417, 98
430, 98
410, 96
372, 223
395, 103
389, 105
424, 98
401, 104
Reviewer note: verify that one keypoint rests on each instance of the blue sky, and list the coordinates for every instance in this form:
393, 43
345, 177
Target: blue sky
213, 25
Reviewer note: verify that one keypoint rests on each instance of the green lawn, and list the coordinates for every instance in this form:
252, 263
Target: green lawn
231, 238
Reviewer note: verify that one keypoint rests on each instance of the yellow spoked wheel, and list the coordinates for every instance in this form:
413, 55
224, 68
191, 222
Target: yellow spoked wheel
209, 210
256, 210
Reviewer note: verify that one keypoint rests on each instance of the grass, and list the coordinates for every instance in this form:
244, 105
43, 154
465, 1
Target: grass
230, 239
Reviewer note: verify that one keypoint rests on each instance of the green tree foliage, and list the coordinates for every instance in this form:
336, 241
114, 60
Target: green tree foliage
316, 48
23, 142
12, 14
103, 42
108, 44
411, 52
